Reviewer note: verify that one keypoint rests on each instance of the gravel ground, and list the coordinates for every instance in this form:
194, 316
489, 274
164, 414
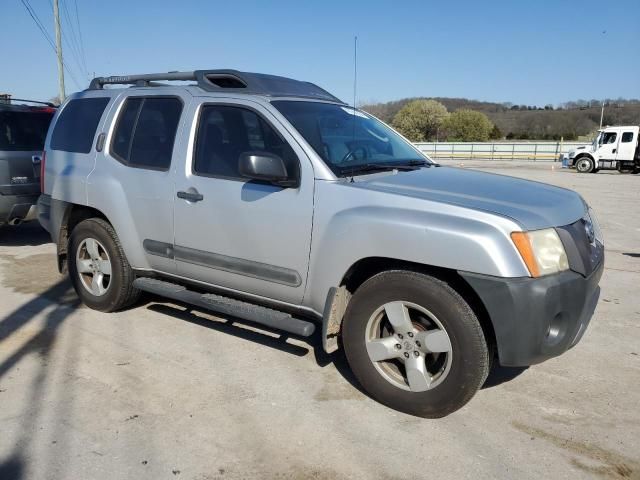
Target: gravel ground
161, 391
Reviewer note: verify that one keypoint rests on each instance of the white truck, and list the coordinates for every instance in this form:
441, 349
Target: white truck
614, 148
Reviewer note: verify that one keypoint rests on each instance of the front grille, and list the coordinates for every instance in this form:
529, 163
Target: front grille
584, 256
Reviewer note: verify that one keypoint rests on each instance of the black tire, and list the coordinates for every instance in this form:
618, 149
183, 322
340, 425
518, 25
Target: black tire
470, 355
120, 292
584, 164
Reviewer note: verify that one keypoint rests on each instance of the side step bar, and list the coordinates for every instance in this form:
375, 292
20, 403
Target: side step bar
227, 306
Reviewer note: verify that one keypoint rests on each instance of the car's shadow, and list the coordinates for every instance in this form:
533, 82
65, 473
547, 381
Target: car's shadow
26, 234
270, 338
499, 375
279, 340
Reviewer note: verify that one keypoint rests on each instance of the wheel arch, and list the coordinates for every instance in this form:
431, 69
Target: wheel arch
582, 155
73, 215
365, 268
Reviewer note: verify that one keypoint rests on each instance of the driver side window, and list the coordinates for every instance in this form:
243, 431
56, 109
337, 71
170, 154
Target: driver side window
226, 132
609, 137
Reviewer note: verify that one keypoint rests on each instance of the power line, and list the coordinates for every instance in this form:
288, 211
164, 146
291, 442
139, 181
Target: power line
38, 23
75, 47
70, 45
45, 33
84, 57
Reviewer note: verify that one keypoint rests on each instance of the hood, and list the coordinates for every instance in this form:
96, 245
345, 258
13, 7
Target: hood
533, 205
574, 151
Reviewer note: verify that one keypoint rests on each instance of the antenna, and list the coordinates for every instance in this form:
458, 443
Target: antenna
355, 69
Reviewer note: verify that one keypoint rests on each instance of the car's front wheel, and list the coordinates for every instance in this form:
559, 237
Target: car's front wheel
98, 267
584, 165
414, 343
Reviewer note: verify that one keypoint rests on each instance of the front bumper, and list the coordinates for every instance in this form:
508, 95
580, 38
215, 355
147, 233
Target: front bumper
535, 319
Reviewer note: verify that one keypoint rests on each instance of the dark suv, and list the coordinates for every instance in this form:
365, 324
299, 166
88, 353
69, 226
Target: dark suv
23, 129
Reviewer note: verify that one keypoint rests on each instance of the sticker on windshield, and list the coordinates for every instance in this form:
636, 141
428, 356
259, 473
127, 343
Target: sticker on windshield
352, 111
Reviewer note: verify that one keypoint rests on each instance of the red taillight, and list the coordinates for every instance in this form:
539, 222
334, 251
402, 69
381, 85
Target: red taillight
44, 158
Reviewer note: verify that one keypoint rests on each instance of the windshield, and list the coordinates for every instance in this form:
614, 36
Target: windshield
348, 139
596, 140
23, 130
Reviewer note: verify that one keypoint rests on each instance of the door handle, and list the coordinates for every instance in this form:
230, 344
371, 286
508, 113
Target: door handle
614, 150
192, 196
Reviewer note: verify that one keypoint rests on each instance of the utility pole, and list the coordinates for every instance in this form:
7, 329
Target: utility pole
601, 114
56, 21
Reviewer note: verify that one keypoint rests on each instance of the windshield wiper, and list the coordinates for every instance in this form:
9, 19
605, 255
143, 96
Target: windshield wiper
384, 167
417, 163
375, 167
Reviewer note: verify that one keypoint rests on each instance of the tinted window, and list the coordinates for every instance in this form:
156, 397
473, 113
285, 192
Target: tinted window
76, 125
24, 130
146, 132
626, 137
609, 137
225, 132
122, 136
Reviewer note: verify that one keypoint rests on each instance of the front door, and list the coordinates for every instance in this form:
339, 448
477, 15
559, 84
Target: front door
609, 146
242, 235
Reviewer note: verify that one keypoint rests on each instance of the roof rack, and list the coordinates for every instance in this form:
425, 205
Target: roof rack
9, 100
228, 80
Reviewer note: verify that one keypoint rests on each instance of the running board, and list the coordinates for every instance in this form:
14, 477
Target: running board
227, 306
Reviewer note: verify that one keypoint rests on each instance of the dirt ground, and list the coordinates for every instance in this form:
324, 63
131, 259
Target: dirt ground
162, 391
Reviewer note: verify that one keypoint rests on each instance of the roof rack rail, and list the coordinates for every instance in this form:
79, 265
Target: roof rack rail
11, 100
217, 80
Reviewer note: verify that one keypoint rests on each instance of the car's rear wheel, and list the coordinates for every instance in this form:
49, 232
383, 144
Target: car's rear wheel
584, 165
414, 344
98, 267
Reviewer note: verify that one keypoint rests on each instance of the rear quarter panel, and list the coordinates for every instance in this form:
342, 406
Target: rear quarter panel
66, 172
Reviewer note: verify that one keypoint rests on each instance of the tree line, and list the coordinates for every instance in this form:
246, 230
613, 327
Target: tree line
460, 119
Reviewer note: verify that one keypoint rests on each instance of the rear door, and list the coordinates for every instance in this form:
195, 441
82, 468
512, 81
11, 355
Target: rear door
22, 135
132, 183
627, 145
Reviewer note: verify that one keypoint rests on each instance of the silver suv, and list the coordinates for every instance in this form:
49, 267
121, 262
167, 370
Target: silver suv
270, 200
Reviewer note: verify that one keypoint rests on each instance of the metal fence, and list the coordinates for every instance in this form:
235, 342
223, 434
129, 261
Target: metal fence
543, 151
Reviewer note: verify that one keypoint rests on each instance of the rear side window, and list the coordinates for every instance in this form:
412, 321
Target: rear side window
76, 126
24, 130
146, 131
626, 137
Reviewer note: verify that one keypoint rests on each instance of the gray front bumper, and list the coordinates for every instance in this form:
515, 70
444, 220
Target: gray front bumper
535, 319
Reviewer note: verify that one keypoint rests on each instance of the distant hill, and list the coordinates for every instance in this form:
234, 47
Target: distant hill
570, 121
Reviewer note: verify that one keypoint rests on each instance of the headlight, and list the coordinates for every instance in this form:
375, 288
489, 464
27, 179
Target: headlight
542, 251
572, 154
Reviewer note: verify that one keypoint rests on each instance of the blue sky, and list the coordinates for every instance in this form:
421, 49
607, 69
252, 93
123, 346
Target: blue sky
525, 52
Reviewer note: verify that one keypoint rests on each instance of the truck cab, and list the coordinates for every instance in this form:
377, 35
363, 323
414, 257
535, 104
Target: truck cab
613, 148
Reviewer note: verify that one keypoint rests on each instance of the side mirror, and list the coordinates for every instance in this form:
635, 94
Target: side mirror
265, 167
